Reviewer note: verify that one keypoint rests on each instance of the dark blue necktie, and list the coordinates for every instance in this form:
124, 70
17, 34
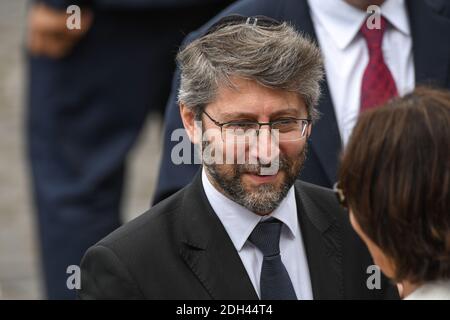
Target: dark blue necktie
275, 283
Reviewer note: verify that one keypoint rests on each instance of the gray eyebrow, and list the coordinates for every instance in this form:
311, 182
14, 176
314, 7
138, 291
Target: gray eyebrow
251, 115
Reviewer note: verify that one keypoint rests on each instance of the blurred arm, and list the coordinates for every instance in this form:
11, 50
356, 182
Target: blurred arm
48, 34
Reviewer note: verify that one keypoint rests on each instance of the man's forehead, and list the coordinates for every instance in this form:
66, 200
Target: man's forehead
247, 97
292, 111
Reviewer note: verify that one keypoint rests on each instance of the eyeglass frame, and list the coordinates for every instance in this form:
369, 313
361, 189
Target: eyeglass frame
340, 195
260, 124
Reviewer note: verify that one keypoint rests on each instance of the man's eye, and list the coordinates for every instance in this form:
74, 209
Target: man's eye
241, 125
285, 124
286, 120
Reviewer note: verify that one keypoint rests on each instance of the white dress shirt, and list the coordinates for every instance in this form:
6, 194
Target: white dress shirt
436, 290
239, 222
345, 52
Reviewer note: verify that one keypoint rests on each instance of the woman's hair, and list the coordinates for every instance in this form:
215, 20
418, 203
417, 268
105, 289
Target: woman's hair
395, 174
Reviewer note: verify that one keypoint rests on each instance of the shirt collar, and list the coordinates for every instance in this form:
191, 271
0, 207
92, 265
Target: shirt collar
239, 222
432, 290
395, 12
342, 21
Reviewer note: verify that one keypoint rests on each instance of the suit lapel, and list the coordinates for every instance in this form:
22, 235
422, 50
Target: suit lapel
323, 247
430, 44
325, 139
208, 250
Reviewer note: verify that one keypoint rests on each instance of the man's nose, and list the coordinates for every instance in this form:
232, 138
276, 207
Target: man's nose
266, 149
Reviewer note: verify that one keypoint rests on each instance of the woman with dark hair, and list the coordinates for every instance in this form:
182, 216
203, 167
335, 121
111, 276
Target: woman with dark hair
395, 180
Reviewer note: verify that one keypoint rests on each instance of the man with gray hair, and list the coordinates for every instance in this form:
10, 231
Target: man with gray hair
244, 228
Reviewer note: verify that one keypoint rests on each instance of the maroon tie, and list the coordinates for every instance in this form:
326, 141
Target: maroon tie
378, 85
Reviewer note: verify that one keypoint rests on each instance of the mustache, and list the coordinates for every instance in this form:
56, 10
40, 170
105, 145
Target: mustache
282, 164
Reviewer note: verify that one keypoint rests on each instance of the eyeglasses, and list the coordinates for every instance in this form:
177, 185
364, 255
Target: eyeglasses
236, 19
340, 195
289, 129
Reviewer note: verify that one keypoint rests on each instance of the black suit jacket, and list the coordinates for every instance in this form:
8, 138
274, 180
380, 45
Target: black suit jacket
180, 250
430, 30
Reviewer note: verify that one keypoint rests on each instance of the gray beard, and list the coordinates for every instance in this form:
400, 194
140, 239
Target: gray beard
266, 198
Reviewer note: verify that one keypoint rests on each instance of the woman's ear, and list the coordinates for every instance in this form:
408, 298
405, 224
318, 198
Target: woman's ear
188, 118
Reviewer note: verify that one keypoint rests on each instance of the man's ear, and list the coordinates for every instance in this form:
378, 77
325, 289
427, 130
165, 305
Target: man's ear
188, 118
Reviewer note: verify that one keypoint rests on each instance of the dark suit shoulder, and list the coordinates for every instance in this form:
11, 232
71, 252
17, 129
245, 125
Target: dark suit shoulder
316, 191
133, 260
322, 201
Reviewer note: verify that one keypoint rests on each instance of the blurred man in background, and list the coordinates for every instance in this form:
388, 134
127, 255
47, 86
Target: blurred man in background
90, 90
364, 68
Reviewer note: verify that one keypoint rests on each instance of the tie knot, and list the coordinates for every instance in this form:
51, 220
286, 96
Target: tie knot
266, 237
374, 36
